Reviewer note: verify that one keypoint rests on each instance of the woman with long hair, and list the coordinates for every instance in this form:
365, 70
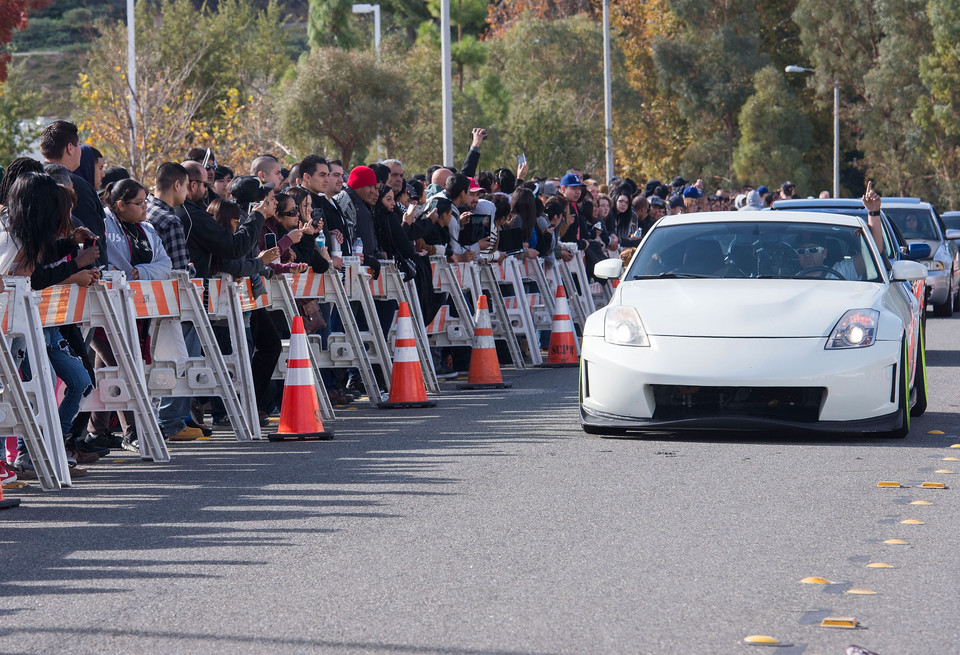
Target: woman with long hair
43, 245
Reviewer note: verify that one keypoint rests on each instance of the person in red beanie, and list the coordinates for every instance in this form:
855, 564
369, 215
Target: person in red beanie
356, 203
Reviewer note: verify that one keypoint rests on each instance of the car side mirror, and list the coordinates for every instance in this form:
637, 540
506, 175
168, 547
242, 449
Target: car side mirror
919, 251
908, 271
952, 235
608, 269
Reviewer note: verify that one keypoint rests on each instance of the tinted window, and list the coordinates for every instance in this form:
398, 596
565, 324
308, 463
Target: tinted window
914, 223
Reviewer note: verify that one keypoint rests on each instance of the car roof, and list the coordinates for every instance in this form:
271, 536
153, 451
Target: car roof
911, 203
761, 217
953, 214
839, 203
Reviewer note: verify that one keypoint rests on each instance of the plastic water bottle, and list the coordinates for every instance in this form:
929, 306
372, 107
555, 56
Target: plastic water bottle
335, 249
358, 247
321, 239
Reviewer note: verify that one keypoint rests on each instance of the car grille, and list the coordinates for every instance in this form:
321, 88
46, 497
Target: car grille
800, 404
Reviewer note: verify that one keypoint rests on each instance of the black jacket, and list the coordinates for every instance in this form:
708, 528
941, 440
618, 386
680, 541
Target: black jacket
89, 211
207, 239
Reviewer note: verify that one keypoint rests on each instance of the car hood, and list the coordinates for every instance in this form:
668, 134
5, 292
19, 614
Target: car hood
744, 308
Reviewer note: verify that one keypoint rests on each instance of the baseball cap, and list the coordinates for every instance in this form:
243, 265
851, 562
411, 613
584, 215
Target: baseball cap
474, 187
571, 179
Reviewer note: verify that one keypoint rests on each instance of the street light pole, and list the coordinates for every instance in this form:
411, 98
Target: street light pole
365, 8
446, 73
607, 92
132, 77
836, 126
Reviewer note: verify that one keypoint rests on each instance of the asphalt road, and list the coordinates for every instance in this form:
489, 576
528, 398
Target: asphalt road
492, 525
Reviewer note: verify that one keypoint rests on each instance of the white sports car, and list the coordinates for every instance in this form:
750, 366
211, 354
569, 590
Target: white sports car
766, 321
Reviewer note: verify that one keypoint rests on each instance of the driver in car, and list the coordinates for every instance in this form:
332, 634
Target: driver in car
812, 252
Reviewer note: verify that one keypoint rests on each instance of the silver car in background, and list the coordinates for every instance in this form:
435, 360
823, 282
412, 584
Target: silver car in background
919, 223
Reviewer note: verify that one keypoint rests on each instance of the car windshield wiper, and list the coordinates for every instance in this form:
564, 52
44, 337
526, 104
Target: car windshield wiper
665, 276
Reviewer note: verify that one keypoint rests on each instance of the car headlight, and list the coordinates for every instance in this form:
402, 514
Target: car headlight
622, 326
934, 265
855, 329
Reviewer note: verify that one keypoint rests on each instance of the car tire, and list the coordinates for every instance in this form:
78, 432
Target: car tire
945, 309
904, 406
956, 298
920, 379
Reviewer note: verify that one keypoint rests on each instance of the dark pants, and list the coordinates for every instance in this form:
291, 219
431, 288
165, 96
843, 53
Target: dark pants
266, 353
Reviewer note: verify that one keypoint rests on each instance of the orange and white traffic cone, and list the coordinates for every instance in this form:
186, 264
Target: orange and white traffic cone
406, 384
484, 365
300, 411
563, 340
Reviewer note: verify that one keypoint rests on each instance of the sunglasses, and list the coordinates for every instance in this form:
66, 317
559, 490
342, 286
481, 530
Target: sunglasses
292, 212
812, 250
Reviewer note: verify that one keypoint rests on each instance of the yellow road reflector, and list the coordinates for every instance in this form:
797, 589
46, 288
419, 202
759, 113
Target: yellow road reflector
936, 432
19, 484
956, 445
933, 485
895, 542
119, 461
861, 592
878, 565
815, 581
951, 459
921, 502
912, 522
274, 419
943, 471
762, 640
204, 438
888, 484
839, 622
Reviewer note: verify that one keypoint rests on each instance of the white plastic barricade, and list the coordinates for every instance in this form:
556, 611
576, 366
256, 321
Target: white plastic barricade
578, 292
445, 329
357, 288
519, 305
344, 349
171, 303
223, 304
482, 279
389, 285
280, 298
23, 412
542, 301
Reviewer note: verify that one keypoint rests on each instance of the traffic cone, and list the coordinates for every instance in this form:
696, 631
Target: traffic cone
300, 411
484, 365
563, 341
406, 384
9, 503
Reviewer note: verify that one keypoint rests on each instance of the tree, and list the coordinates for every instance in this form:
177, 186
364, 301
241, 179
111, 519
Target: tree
342, 97
19, 107
774, 134
13, 17
504, 13
330, 23
709, 66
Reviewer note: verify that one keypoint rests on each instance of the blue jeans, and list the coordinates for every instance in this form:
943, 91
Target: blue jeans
174, 411
70, 369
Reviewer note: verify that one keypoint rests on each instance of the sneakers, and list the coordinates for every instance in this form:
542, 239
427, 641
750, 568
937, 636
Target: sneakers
7, 476
79, 457
338, 397
109, 441
186, 434
205, 429
84, 446
131, 443
24, 468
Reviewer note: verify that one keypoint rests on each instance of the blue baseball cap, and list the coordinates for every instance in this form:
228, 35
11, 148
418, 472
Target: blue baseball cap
571, 179
762, 190
692, 192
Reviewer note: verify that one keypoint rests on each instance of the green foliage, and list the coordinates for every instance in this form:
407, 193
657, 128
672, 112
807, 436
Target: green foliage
466, 16
19, 108
343, 98
774, 135
331, 23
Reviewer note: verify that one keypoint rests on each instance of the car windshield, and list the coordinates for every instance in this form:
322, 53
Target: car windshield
952, 222
914, 223
755, 249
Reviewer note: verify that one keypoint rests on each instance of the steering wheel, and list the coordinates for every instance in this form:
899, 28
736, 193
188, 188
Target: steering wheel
823, 270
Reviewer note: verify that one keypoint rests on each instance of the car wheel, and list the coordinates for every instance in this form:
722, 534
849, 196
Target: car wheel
945, 309
956, 299
901, 431
920, 379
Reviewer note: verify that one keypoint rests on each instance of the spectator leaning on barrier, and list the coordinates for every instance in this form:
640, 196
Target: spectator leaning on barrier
170, 190
60, 144
355, 203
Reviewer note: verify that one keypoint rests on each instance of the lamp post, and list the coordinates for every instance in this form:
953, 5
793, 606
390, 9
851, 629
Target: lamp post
447, 82
365, 8
607, 93
132, 76
836, 127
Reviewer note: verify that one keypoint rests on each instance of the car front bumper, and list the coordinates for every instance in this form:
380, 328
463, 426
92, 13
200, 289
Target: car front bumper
859, 386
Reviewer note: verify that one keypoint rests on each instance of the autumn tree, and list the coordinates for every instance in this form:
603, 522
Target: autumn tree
13, 17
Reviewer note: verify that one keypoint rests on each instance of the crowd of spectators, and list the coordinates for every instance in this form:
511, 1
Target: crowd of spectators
66, 219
